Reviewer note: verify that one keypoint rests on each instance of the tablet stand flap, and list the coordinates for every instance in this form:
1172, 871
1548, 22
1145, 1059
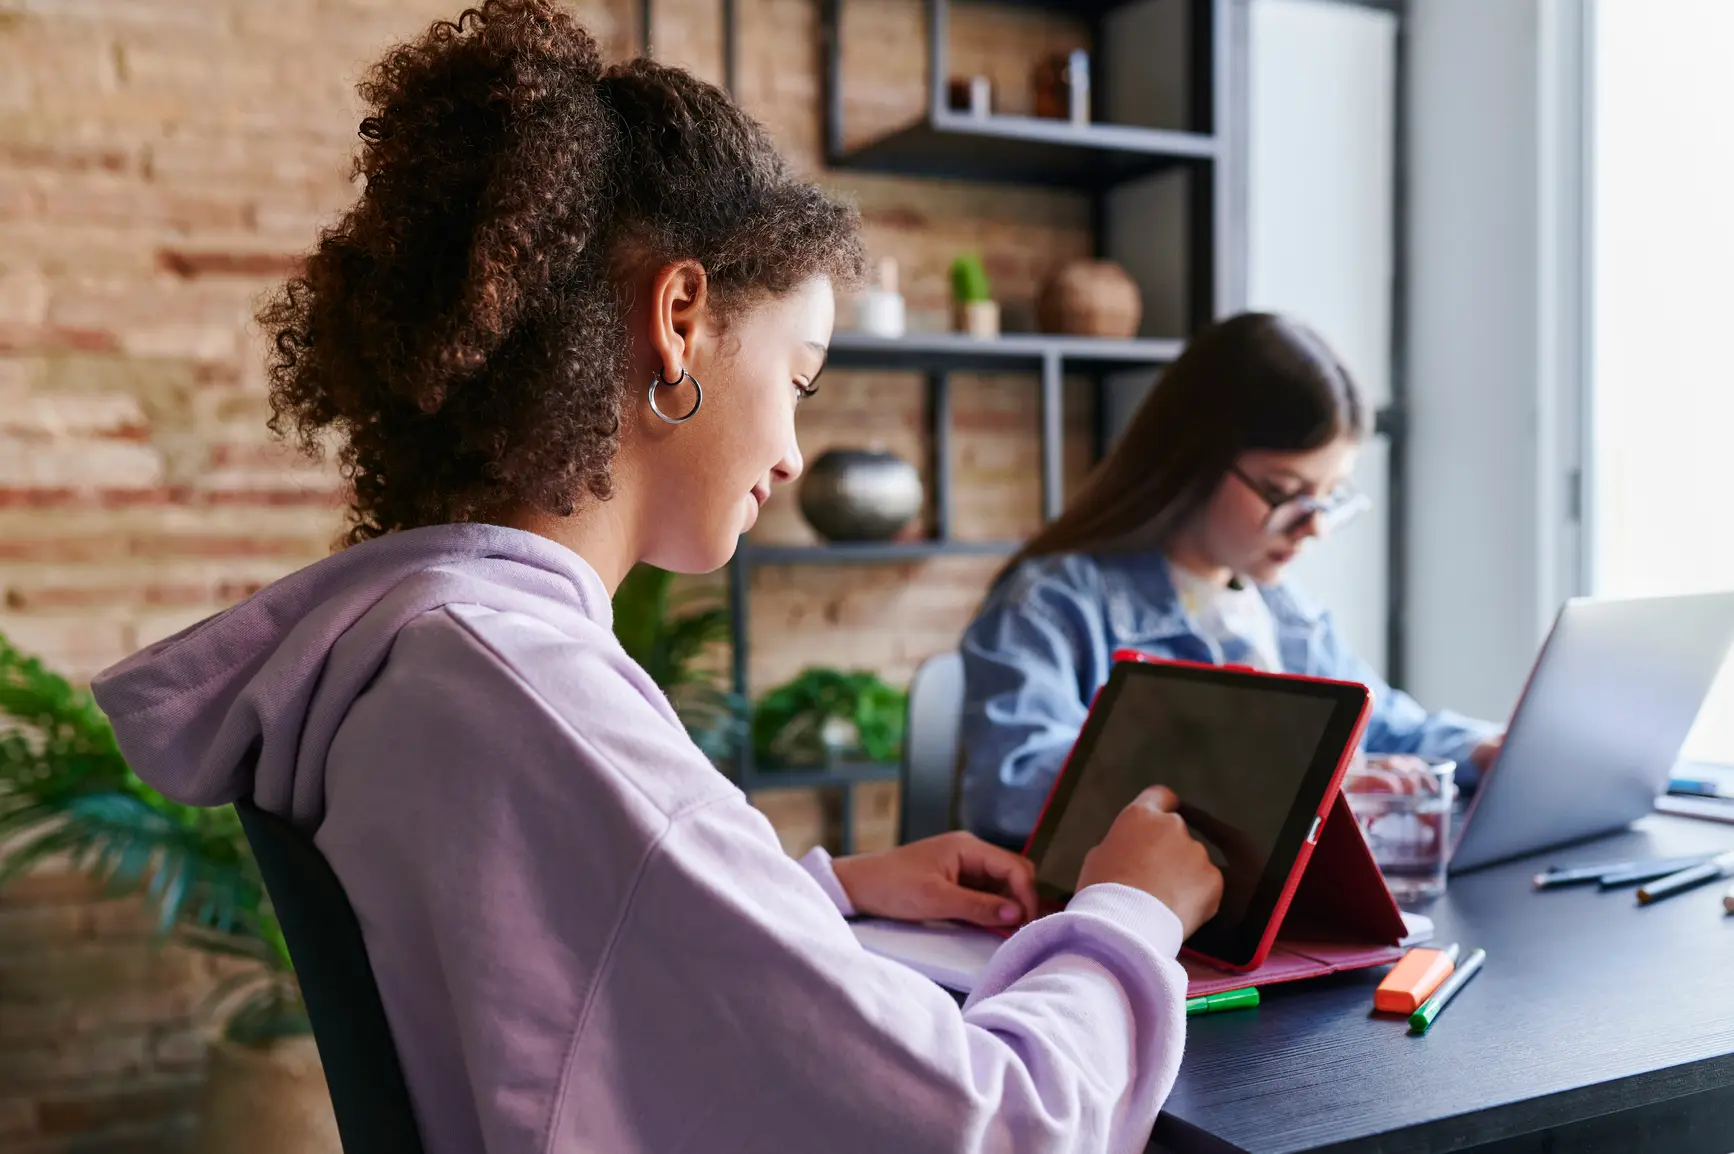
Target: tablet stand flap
1342, 896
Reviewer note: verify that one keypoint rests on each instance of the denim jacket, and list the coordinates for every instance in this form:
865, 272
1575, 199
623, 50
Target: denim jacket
1043, 644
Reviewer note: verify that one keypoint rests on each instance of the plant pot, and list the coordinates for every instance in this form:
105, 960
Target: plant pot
860, 495
978, 318
270, 1100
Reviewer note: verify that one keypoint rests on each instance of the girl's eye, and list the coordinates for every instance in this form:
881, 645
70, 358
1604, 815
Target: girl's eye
805, 389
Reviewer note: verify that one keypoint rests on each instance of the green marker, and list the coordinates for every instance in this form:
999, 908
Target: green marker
1423, 1017
1227, 1000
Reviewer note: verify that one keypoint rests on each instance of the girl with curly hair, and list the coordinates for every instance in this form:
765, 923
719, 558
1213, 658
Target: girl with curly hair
564, 330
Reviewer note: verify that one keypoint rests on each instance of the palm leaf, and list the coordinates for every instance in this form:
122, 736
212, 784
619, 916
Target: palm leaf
668, 632
67, 794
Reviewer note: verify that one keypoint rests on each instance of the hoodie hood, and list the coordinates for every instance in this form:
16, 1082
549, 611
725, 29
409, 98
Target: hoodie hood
247, 702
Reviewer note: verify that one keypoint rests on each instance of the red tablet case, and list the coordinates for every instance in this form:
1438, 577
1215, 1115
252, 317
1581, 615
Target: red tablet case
1335, 913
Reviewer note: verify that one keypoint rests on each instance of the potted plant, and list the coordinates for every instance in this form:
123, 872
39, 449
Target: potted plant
975, 310
669, 633
66, 793
826, 715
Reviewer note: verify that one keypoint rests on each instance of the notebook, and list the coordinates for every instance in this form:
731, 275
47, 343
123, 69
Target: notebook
955, 955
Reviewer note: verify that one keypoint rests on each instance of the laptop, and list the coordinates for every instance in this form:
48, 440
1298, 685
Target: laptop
1609, 704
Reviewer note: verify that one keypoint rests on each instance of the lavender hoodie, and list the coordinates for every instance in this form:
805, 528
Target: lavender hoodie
586, 938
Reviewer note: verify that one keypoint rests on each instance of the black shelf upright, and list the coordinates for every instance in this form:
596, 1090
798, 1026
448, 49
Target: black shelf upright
1094, 159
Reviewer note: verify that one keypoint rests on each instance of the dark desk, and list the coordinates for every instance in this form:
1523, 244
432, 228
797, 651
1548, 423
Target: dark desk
1595, 1026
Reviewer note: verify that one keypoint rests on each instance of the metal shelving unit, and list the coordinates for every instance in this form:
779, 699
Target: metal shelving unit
1025, 150
731, 54
1092, 159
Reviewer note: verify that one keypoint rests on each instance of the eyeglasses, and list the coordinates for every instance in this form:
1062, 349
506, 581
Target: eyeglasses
1289, 512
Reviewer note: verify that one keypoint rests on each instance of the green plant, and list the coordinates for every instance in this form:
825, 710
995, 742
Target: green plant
669, 634
969, 282
66, 793
823, 713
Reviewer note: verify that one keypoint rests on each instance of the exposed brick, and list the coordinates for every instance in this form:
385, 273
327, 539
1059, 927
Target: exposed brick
200, 545
178, 1051
48, 886
57, 462
23, 295
166, 302
199, 341
108, 1054
17, 1118
114, 203
15, 338
17, 93
108, 415
39, 923
43, 550
311, 497
89, 968
189, 264
129, 917
161, 162
169, 1137
180, 14
56, 599
143, 1008
18, 376
802, 817
67, 157
876, 816
99, 1107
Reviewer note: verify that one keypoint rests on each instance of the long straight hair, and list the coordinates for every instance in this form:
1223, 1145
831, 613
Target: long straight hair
1256, 381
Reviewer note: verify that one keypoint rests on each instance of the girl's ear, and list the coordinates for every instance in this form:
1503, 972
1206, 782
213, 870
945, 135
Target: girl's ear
679, 294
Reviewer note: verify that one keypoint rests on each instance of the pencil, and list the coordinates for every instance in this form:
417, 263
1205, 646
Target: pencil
1716, 867
1421, 1019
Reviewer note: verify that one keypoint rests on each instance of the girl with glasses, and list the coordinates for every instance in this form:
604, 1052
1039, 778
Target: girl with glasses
1177, 546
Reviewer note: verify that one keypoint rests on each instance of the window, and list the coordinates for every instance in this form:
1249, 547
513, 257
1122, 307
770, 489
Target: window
1662, 235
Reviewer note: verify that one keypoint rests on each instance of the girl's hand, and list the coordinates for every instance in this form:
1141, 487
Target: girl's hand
1150, 848
955, 876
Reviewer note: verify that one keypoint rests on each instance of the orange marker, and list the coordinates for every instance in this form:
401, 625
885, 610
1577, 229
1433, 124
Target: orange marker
1413, 980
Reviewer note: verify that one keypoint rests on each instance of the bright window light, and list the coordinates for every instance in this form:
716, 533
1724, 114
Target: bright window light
1663, 306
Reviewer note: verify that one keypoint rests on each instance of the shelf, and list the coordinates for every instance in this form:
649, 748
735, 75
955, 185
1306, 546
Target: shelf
869, 552
835, 776
1080, 9
1012, 352
1028, 150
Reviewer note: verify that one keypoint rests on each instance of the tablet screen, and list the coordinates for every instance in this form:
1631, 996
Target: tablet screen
1250, 757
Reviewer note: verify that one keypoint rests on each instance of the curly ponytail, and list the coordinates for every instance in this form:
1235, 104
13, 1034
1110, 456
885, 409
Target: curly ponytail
460, 328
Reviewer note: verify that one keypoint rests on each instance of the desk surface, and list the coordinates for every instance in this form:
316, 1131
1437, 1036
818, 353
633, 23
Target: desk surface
1609, 1024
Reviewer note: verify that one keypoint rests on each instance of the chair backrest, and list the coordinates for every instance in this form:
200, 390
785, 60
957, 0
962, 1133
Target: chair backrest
368, 1091
930, 748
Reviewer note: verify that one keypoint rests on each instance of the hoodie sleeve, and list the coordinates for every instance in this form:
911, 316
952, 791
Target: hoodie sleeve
587, 932
738, 1002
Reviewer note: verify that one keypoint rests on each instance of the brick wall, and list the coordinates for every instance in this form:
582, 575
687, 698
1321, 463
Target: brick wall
161, 163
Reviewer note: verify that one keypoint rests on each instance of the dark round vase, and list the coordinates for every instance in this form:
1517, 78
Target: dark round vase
860, 495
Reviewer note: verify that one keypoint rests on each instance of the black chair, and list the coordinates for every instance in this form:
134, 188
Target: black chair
368, 1091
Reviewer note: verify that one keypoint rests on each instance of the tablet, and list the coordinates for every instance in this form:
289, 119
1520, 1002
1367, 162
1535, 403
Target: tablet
1255, 759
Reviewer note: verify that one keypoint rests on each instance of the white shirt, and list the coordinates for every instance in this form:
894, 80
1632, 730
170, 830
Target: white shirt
1238, 620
